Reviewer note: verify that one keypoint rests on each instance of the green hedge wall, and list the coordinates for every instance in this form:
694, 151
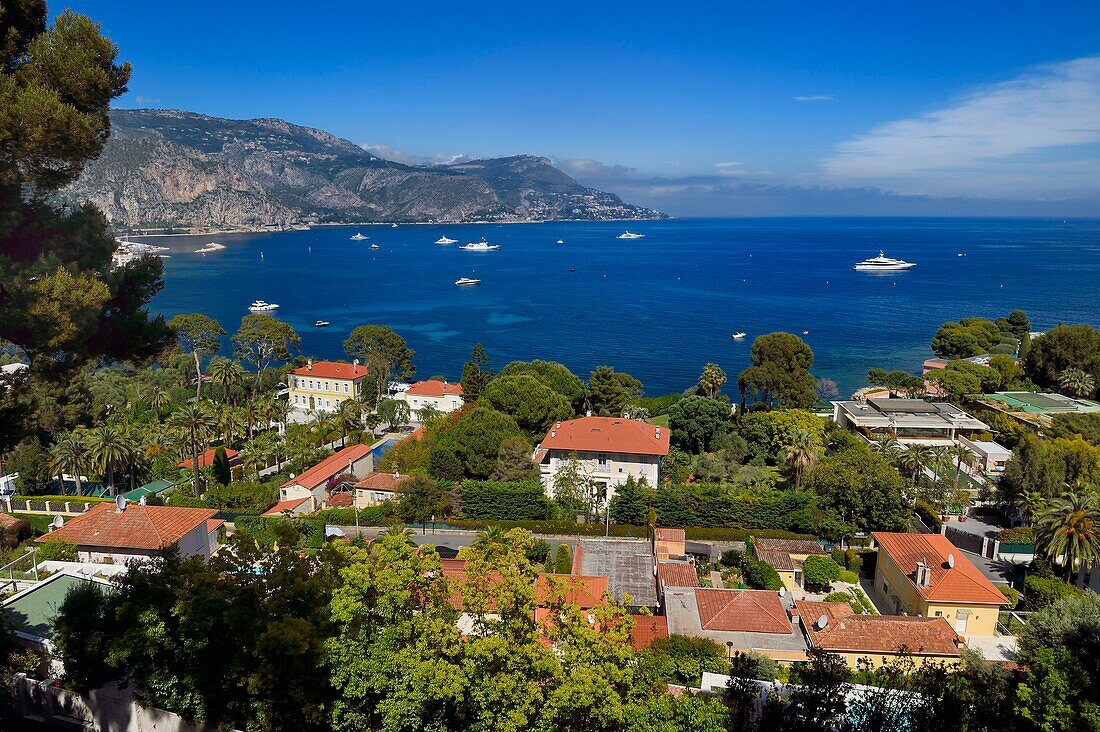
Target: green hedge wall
719, 507
497, 501
569, 528
265, 530
370, 516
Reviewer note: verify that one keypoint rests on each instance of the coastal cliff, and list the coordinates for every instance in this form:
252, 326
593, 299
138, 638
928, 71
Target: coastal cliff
170, 170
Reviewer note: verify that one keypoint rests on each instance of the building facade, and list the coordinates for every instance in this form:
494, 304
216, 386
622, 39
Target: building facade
609, 450
441, 395
106, 534
323, 385
909, 421
314, 484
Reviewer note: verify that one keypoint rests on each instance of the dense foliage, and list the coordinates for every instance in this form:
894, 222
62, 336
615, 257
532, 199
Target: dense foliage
525, 501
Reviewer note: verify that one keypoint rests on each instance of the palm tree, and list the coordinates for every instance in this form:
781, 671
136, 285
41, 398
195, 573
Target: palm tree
711, 380
801, 454
69, 455
427, 413
960, 454
196, 421
887, 444
912, 460
349, 418
399, 530
1070, 529
160, 400
324, 427
226, 374
1077, 382
492, 542
1031, 505
108, 447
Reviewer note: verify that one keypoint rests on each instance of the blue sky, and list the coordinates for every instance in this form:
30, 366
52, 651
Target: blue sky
699, 109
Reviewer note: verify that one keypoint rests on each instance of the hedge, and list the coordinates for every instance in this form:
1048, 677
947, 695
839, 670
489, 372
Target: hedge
715, 506
40, 523
570, 528
1017, 535
929, 515
311, 532
499, 501
369, 516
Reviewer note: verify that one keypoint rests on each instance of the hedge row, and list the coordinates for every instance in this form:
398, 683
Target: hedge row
569, 528
714, 507
495, 501
1017, 535
267, 530
370, 516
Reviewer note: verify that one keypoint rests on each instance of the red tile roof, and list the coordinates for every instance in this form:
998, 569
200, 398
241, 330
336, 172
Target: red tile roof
207, 458
607, 434
330, 467
382, 481
580, 590
963, 583
338, 500
281, 506
670, 535
434, 389
213, 525
138, 527
332, 370
777, 552
676, 574
647, 629
847, 632
748, 611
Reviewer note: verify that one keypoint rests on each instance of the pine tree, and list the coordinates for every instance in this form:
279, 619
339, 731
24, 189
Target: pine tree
476, 374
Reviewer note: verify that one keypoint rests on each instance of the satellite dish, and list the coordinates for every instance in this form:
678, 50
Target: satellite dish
57, 522
141, 501
822, 621
780, 591
951, 561
121, 503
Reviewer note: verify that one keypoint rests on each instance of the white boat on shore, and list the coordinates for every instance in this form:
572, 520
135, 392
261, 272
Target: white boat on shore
446, 240
480, 246
359, 237
738, 336
262, 306
467, 281
882, 263
631, 235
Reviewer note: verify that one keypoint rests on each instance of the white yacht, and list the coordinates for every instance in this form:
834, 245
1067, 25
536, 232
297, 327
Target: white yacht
467, 281
480, 246
393, 226
631, 235
446, 240
359, 237
882, 263
738, 336
321, 324
375, 246
560, 241
262, 306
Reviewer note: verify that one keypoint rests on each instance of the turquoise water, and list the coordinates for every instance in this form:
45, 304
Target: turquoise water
659, 307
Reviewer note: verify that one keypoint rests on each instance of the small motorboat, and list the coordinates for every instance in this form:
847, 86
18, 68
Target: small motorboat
393, 226
738, 336
446, 240
375, 246
560, 241
359, 237
321, 324
467, 281
805, 332
571, 269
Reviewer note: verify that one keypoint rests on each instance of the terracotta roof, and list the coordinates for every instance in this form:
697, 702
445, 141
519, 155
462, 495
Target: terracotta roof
848, 632
676, 574
585, 592
434, 389
7, 520
338, 500
607, 434
777, 552
332, 370
281, 506
207, 458
138, 527
749, 611
330, 467
963, 583
647, 629
382, 481
670, 535
213, 525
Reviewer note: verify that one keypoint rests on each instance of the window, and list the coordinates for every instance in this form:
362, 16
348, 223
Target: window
601, 460
620, 470
345, 388
311, 383
939, 614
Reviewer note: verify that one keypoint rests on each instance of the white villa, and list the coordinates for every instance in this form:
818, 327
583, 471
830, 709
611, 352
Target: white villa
610, 450
910, 421
439, 394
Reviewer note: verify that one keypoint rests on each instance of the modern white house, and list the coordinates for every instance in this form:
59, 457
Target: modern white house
609, 450
910, 421
442, 395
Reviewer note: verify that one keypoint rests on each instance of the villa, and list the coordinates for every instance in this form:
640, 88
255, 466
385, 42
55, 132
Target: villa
926, 575
315, 486
909, 421
322, 386
609, 450
378, 488
440, 395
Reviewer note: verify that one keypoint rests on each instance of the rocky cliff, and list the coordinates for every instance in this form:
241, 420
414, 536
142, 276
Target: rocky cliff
172, 170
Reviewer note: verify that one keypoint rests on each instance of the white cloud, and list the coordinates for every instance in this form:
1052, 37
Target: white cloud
814, 98
591, 169
1018, 137
399, 156
146, 100
727, 165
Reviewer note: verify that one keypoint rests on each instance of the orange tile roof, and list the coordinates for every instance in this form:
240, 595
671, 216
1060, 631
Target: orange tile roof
339, 500
207, 458
676, 574
213, 525
382, 481
580, 590
964, 583
647, 629
330, 467
281, 506
607, 434
847, 632
332, 370
138, 527
749, 611
777, 552
670, 535
434, 389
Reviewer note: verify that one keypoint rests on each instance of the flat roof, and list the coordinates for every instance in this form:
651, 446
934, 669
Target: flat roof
1047, 403
914, 413
32, 611
628, 566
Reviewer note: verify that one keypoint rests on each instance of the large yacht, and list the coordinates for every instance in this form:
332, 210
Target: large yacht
359, 237
480, 246
262, 306
467, 281
446, 240
882, 263
631, 235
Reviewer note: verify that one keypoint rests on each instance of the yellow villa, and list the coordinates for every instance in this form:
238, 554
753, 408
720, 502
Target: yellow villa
321, 386
926, 575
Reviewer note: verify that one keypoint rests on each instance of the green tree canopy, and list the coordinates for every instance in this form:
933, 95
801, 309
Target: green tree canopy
780, 373
200, 336
476, 440
610, 391
476, 373
555, 375
384, 352
1060, 348
859, 489
697, 422
529, 401
262, 340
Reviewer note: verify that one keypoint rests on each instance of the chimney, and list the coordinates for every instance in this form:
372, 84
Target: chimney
355, 366
396, 474
919, 578
309, 365
657, 433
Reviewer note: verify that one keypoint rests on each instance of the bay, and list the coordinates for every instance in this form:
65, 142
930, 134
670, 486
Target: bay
659, 307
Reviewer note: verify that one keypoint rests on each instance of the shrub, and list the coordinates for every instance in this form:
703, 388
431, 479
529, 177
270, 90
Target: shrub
1011, 595
928, 514
848, 577
539, 551
838, 556
563, 560
709, 505
853, 561
685, 659
499, 501
239, 497
759, 575
845, 597
266, 531
1017, 535
59, 551
1042, 592
14, 534
369, 516
819, 571
730, 558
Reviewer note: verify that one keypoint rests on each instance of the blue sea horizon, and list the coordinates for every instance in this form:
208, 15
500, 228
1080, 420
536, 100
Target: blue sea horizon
658, 308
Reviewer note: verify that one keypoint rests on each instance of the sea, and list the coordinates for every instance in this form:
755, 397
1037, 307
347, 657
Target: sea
659, 307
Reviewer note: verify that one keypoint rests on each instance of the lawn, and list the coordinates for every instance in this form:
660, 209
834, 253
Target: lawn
661, 420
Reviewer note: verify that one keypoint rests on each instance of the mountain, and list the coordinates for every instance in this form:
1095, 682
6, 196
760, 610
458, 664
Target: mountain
173, 170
